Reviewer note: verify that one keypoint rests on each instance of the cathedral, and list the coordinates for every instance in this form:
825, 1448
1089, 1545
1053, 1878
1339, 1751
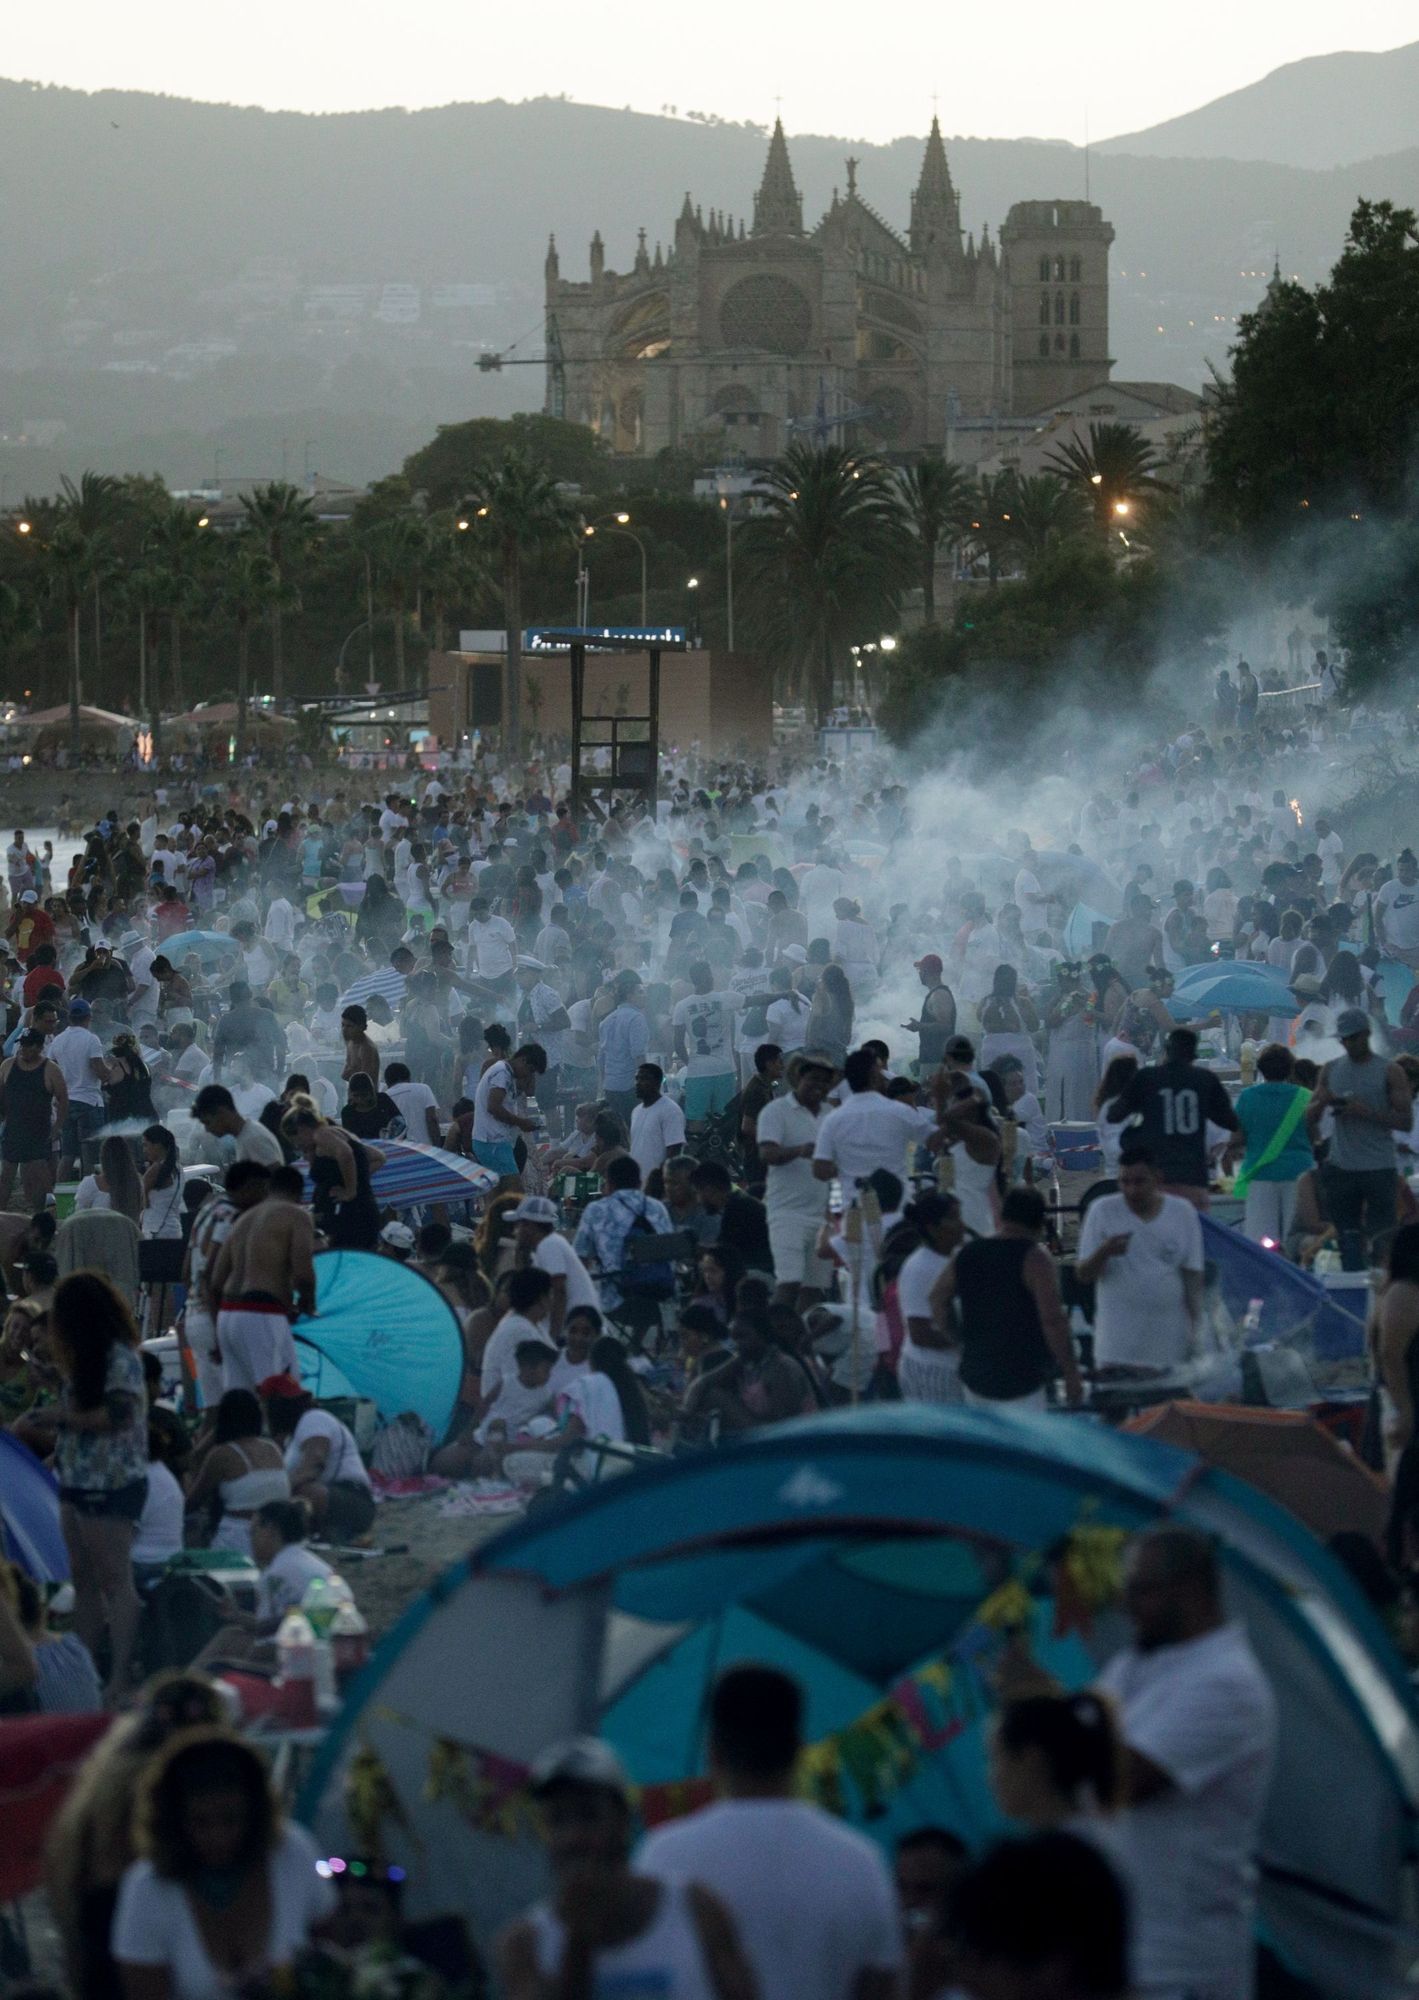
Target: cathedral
742, 341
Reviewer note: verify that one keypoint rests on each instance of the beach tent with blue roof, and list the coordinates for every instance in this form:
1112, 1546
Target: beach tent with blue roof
856, 1549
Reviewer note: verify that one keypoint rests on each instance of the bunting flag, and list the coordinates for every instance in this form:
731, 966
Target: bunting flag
858, 1768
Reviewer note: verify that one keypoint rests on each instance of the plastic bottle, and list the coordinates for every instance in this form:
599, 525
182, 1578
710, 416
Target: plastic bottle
1251, 1323
349, 1641
298, 1664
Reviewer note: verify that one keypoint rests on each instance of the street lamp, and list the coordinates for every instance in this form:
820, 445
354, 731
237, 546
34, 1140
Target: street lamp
1122, 507
24, 527
692, 584
462, 527
888, 644
620, 528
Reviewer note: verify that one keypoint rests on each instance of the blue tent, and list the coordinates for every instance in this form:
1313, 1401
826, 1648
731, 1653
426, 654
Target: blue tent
30, 1534
854, 1548
1231, 987
383, 1331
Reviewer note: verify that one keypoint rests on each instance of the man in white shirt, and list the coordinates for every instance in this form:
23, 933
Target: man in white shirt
280, 929
795, 1198
1142, 1251
78, 1054
1396, 908
418, 1106
811, 1899
657, 1122
492, 945
1331, 849
216, 1111
534, 1223
868, 1131
143, 1001
1199, 1727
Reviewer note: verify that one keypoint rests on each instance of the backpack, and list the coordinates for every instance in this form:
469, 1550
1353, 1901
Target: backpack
645, 1281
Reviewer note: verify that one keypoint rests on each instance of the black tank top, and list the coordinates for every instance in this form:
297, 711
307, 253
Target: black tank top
28, 1108
1003, 1351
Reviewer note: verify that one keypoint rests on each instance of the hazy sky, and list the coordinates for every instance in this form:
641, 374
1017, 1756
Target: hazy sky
1025, 67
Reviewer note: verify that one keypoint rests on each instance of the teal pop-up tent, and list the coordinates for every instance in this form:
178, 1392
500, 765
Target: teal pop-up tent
856, 1550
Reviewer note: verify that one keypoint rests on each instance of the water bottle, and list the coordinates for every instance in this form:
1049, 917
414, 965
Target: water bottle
1251, 1323
349, 1641
298, 1667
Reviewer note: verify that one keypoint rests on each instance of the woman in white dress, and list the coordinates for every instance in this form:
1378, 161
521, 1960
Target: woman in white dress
975, 1157
1009, 1024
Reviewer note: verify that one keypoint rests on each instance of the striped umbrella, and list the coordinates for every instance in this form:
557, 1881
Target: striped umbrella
383, 983
413, 1174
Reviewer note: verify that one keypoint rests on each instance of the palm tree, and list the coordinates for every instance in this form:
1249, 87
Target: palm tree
523, 509
825, 559
456, 572
250, 586
938, 500
282, 518
1044, 512
398, 548
1115, 470
175, 548
991, 528
96, 507
69, 558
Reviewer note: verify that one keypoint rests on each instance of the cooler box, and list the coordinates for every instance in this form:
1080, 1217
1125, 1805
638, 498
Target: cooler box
1340, 1335
1076, 1148
227, 1567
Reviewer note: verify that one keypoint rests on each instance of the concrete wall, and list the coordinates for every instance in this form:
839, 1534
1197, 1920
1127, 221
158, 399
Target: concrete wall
722, 700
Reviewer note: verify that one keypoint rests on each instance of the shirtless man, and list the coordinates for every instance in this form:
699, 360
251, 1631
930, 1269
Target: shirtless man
361, 1055
264, 1270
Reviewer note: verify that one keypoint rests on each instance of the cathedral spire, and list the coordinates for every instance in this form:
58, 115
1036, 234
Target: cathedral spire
778, 206
936, 214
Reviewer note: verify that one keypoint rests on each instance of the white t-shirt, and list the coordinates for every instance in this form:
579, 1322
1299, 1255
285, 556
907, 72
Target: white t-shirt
593, 1398
915, 1280
256, 1141
493, 947
1204, 1713
488, 1128
556, 1257
159, 1531
791, 1190
785, 1022
655, 1128
88, 1194
500, 1354
144, 1004
413, 1099
1140, 1316
871, 1131
154, 1924
810, 1898
73, 1049
1331, 849
283, 1584
342, 1461
1399, 907
706, 1029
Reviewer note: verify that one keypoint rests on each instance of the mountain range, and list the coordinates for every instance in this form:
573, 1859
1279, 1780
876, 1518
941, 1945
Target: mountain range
203, 289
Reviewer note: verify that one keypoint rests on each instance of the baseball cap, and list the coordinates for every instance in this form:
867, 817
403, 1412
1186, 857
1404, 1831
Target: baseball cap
79, 1010
535, 1208
398, 1235
931, 963
28, 896
579, 1760
1353, 1021
280, 1388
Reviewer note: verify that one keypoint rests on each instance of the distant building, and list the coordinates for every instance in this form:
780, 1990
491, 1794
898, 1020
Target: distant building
741, 339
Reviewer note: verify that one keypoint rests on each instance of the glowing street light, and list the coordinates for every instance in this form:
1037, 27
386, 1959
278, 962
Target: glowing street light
24, 527
623, 519
888, 644
1096, 478
203, 521
693, 583
462, 526
1121, 507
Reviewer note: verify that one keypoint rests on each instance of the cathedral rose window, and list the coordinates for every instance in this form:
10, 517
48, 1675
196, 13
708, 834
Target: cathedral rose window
766, 312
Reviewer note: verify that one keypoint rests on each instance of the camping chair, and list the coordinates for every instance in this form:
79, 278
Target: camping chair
637, 1317
611, 1461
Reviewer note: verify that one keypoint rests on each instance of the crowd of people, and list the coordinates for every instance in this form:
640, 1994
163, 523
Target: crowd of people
765, 1082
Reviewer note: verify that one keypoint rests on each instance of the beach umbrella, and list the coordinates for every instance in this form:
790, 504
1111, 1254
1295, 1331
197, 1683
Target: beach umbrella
208, 945
413, 1174
1237, 987
29, 1514
385, 1331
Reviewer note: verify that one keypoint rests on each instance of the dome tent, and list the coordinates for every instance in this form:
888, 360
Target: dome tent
852, 1548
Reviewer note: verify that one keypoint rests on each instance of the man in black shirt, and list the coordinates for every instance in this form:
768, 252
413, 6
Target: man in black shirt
743, 1223
1173, 1102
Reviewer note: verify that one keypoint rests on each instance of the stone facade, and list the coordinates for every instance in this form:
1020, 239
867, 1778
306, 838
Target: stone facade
742, 341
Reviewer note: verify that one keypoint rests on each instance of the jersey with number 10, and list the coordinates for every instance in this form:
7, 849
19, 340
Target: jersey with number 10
1172, 1104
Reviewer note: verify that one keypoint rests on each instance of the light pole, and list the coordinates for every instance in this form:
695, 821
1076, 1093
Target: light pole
618, 526
691, 586
726, 501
